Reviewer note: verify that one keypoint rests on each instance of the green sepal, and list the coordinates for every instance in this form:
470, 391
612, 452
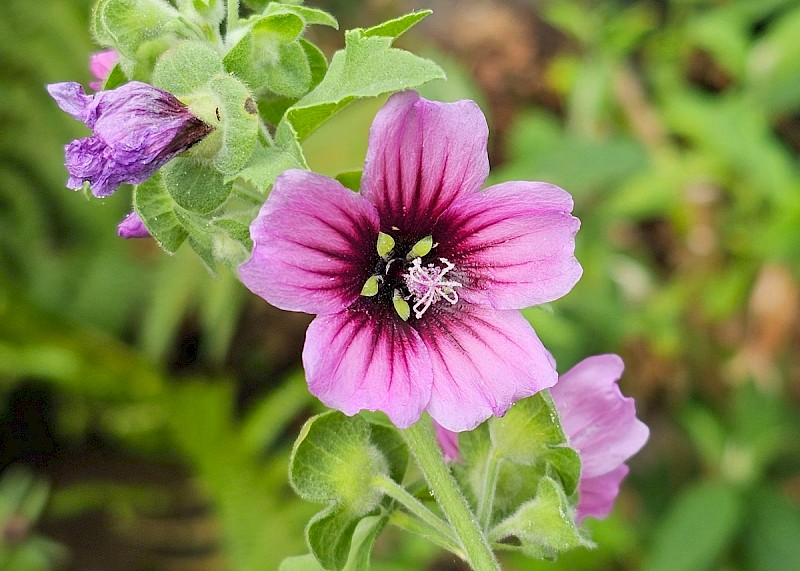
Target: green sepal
524, 446
530, 433
129, 26
258, 49
186, 68
335, 460
156, 208
194, 73
239, 123
215, 240
544, 526
291, 76
194, 185
317, 62
205, 12
360, 70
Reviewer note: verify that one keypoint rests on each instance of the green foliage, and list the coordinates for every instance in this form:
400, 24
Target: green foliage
700, 524
336, 460
675, 131
522, 478
545, 526
361, 70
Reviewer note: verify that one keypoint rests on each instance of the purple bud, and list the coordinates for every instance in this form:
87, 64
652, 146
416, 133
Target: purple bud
132, 227
137, 129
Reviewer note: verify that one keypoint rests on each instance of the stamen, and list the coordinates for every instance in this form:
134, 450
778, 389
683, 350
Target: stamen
385, 244
370, 287
421, 248
401, 306
427, 285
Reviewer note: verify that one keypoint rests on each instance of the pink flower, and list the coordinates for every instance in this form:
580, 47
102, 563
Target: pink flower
101, 64
601, 425
132, 227
416, 280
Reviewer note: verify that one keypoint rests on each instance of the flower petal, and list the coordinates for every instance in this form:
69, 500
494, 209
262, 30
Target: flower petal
137, 129
515, 242
448, 440
101, 64
483, 361
314, 242
71, 98
365, 357
597, 494
132, 227
600, 422
421, 156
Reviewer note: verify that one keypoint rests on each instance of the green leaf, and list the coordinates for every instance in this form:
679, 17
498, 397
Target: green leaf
335, 461
364, 537
774, 71
301, 563
361, 69
545, 526
697, 529
316, 61
267, 163
350, 179
309, 15
398, 26
772, 532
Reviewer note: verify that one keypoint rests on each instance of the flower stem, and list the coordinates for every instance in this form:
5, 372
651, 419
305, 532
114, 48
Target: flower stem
431, 521
422, 442
233, 16
486, 500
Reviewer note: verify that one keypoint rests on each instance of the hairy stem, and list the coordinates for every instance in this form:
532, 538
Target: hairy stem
486, 500
233, 16
421, 440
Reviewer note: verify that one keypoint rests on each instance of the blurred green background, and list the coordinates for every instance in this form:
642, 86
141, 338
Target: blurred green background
147, 409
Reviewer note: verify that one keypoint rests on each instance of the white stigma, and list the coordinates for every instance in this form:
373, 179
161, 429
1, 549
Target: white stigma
427, 285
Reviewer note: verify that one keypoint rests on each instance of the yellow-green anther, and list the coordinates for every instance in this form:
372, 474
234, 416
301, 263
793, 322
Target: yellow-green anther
385, 244
401, 306
370, 286
421, 248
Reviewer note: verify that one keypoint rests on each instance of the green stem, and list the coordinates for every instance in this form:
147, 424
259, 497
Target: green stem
233, 16
422, 442
432, 522
486, 501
